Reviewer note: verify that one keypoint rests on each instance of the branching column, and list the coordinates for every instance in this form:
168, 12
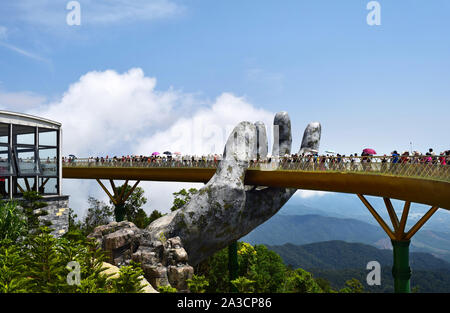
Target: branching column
400, 240
119, 198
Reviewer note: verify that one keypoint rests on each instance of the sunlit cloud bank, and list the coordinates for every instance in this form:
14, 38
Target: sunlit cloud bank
110, 113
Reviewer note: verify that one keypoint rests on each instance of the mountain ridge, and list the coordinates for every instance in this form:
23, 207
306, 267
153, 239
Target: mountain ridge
310, 228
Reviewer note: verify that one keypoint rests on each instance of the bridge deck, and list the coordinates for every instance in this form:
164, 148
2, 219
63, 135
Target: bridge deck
421, 183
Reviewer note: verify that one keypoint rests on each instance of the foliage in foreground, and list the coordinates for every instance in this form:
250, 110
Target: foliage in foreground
39, 264
261, 271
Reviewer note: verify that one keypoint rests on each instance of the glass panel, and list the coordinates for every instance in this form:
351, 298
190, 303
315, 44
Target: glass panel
4, 133
47, 138
48, 186
4, 187
6, 166
26, 162
48, 162
24, 135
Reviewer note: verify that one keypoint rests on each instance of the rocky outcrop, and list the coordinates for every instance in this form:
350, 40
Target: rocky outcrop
164, 261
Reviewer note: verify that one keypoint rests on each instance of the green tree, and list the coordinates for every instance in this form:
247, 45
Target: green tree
352, 286
129, 280
74, 223
44, 266
141, 219
182, 197
75, 231
39, 264
32, 205
197, 284
263, 267
98, 213
12, 269
301, 281
132, 206
243, 284
324, 284
167, 289
13, 223
154, 216
270, 271
215, 270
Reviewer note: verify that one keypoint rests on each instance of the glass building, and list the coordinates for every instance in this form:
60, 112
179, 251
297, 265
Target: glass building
30, 155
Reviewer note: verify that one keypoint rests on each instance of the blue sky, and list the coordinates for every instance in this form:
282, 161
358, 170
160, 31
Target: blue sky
318, 60
370, 86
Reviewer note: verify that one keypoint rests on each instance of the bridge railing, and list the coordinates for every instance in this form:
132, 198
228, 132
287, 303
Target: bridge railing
417, 166
430, 167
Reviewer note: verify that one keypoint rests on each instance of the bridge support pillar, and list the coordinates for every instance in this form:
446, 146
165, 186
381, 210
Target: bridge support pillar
401, 270
121, 195
400, 239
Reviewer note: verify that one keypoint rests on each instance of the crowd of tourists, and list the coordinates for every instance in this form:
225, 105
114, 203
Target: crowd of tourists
211, 160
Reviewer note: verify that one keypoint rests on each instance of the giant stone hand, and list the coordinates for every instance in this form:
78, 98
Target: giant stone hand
225, 210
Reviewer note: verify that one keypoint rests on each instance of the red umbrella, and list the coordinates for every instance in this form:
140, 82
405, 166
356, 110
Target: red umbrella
369, 151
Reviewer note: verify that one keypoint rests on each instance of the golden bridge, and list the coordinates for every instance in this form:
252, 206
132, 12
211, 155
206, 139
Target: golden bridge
419, 179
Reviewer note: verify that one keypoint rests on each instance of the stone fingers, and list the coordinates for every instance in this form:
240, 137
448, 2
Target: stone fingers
282, 137
311, 138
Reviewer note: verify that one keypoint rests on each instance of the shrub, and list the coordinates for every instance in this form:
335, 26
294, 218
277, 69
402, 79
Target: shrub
13, 223
167, 289
197, 284
39, 264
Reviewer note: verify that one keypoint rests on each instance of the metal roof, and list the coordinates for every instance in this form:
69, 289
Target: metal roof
27, 120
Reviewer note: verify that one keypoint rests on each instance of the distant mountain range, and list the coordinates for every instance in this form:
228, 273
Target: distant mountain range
338, 261
343, 205
338, 254
311, 228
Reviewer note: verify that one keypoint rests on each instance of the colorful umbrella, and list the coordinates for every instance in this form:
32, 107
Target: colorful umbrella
155, 153
369, 151
178, 153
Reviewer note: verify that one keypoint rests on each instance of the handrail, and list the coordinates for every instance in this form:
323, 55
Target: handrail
423, 166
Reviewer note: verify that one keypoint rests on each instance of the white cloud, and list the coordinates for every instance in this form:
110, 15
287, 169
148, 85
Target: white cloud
20, 101
23, 52
310, 193
104, 113
207, 130
107, 113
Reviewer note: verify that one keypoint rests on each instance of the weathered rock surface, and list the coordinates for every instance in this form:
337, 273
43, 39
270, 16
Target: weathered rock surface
225, 209
261, 149
311, 138
214, 215
163, 261
282, 140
